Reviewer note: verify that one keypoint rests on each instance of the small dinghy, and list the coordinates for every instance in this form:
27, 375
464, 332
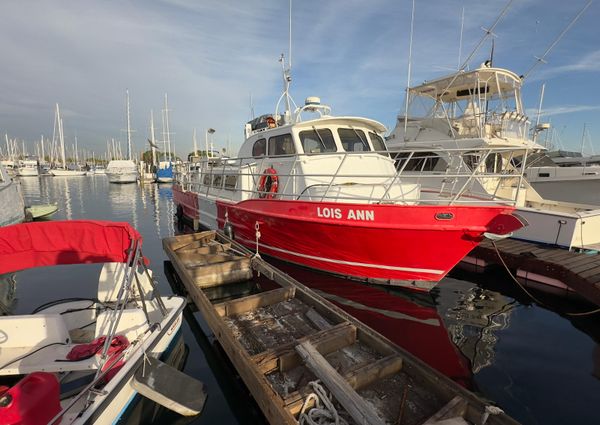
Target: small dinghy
41, 211
84, 361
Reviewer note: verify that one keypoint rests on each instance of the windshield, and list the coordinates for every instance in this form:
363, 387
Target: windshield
317, 141
353, 140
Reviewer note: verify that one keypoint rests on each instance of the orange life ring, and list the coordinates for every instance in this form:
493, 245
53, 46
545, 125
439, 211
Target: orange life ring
268, 184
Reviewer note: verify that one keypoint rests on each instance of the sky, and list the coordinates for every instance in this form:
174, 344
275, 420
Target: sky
218, 60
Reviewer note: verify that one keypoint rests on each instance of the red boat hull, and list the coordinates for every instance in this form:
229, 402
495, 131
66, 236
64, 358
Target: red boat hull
406, 245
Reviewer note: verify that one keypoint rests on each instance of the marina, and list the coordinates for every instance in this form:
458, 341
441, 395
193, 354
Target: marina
474, 328
319, 244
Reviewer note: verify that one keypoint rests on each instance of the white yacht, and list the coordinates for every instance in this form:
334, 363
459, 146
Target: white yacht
28, 168
479, 110
569, 177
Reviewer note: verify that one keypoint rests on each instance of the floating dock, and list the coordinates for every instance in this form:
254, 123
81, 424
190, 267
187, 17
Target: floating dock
560, 269
290, 346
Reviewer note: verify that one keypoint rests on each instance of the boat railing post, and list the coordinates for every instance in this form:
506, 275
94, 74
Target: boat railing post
523, 164
470, 177
334, 176
398, 172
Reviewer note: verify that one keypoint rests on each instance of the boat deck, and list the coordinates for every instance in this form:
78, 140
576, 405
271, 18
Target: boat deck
282, 337
559, 268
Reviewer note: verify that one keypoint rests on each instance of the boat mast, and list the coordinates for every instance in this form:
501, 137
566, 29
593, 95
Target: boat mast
152, 136
410, 44
168, 140
128, 127
61, 137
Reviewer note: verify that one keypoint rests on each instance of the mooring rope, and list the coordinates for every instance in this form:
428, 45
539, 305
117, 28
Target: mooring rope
584, 313
319, 415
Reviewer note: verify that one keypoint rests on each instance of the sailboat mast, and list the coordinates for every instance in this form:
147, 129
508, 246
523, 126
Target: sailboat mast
152, 136
128, 128
167, 127
61, 137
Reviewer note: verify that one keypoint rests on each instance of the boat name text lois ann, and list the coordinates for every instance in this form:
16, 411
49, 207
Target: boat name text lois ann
352, 214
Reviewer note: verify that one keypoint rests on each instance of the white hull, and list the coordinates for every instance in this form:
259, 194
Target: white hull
67, 173
122, 177
582, 191
28, 172
122, 171
119, 393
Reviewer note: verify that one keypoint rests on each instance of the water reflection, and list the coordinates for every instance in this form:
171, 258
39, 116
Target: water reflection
474, 316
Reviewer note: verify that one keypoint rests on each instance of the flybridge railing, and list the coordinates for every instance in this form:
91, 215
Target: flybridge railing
405, 176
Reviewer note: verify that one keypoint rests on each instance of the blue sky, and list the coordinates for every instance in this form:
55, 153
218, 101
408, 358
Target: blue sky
210, 56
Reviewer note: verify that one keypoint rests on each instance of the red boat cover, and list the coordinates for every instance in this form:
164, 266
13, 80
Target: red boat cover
27, 245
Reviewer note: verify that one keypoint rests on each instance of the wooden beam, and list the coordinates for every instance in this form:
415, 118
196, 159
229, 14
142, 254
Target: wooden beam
358, 378
361, 411
284, 358
242, 305
457, 407
366, 375
177, 242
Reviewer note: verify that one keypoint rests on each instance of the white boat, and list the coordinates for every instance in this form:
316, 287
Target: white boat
324, 193
63, 170
82, 361
478, 110
12, 207
566, 178
28, 168
123, 170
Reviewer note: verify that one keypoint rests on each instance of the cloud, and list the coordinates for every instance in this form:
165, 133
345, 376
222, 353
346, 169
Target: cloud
563, 109
211, 56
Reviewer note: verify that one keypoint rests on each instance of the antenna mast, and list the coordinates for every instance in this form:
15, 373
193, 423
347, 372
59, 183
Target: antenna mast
460, 41
561, 35
412, 23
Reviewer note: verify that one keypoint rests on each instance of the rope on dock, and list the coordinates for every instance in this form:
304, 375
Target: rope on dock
584, 313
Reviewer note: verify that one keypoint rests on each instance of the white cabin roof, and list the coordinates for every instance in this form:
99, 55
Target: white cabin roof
355, 121
462, 85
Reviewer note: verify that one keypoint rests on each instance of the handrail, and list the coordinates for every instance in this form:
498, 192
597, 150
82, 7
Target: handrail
355, 184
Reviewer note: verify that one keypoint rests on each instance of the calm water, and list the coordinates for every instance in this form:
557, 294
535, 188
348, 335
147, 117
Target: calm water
541, 366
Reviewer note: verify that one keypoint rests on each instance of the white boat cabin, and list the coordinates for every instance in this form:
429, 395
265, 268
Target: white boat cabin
337, 159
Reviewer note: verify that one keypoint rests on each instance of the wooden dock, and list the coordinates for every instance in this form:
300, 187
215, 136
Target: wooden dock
286, 342
558, 268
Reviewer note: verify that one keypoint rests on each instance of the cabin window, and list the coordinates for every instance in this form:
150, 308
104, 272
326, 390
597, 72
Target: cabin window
281, 145
217, 180
544, 175
230, 182
353, 140
377, 142
259, 148
317, 141
206, 180
420, 161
